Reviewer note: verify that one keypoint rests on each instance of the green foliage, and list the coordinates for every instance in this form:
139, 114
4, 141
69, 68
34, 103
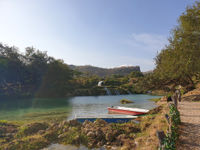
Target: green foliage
31, 129
28, 143
104, 72
73, 136
155, 99
37, 74
125, 101
179, 61
171, 137
33, 72
146, 83
56, 80
112, 82
175, 115
136, 74
3, 122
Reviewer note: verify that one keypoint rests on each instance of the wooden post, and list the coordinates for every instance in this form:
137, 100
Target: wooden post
169, 122
175, 98
167, 118
178, 92
161, 136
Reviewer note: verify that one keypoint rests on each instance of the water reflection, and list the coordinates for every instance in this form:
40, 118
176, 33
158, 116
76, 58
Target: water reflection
35, 108
68, 147
87, 105
14, 109
12, 104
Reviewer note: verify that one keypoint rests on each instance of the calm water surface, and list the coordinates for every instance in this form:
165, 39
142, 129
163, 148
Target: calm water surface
29, 109
68, 147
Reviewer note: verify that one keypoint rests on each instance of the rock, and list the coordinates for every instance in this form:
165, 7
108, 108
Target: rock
98, 133
76, 138
164, 98
125, 147
54, 126
121, 138
41, 132
136, 143
60, 125
84, 130
109, 136
74, 123
126, 101
90, 145
7, 128
86, 122
108, 147
100, 122
65, 130
65, 122
61, 136
91, 134
114, 148
108, 143
100, 144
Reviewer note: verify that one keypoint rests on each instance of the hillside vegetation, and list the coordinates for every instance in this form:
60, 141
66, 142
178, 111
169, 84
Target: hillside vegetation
32, 73
35, 74
178, 63
105, 72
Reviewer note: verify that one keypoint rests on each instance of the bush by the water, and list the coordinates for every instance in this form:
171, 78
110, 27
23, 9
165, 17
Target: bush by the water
172, 137
126, 101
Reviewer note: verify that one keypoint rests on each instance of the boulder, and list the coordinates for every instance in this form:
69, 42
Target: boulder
164, 98
126, 101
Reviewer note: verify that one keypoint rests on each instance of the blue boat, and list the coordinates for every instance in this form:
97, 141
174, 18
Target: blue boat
107, 118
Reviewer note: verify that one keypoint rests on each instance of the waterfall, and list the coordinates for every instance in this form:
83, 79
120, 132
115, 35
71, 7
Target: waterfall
100, 83
117, 92
107, 91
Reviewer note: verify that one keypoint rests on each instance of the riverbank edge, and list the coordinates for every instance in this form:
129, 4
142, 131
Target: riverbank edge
96, 91
37, 135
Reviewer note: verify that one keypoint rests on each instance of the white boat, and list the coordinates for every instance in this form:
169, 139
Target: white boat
127, 110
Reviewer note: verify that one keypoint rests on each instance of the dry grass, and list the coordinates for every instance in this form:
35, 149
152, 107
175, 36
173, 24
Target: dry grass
147, 139
126, 136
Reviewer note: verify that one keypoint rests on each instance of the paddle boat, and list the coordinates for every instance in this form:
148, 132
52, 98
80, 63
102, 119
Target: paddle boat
127, 110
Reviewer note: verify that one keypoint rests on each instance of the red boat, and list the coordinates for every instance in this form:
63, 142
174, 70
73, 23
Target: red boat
127, 110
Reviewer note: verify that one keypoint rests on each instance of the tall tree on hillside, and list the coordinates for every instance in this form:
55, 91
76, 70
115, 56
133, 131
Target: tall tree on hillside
179, 61
11, 66
37, 64
56, 81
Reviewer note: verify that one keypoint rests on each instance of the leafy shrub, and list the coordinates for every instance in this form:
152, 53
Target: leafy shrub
171, 137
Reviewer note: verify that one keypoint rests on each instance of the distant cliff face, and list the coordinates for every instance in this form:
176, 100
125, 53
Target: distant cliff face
103, 72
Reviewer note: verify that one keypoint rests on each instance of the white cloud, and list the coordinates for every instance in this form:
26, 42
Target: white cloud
143, 48
147, 42
145, 64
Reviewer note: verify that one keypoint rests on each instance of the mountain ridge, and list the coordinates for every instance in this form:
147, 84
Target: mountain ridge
103, 72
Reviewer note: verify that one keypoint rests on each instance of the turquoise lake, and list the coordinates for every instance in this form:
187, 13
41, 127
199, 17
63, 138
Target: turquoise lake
40, 109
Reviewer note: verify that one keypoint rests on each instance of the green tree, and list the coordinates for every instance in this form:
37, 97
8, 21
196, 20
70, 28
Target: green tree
56, 81
179, 61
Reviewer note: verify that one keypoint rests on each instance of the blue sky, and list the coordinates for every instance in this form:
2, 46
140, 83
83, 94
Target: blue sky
103, 33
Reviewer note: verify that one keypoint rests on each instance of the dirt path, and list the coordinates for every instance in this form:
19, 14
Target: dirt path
190, 126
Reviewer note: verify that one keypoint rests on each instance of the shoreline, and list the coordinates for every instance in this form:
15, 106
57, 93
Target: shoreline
92, 135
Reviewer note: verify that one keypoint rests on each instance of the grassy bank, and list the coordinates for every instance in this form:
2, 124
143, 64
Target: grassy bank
155, 99
36, 135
